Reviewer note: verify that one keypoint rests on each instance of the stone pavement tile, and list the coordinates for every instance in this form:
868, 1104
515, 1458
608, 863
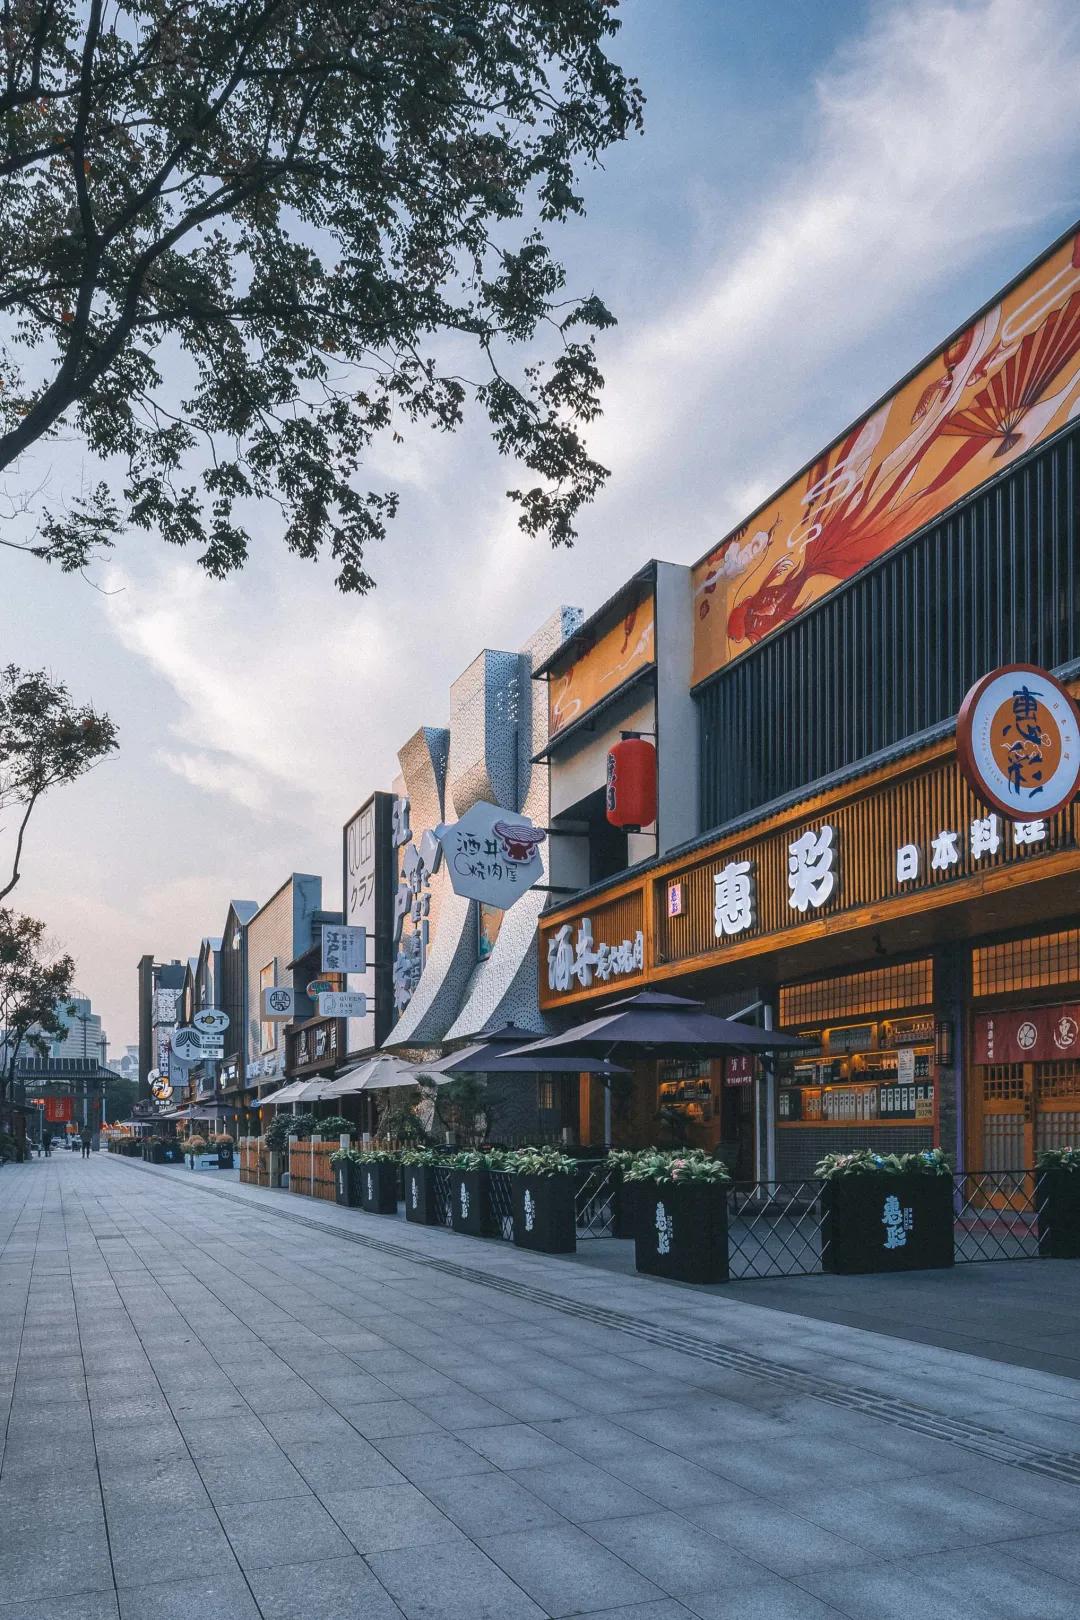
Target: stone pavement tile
424, 1457
215, 1440
381, 1420
486, 1504
171, 1482
34, 1494
220, 1597
140, 1442
451, 1583
384, 1517
662, 1609
346, 1389
461, 1411
204, 1404
193, 1538
272, 1393
86, 1606
531, 1404
55, 1562
581, 1491
294, 1426
595, 1438
767, 1599
337, 1589
142, 1408
291, 1531
977, 1584
783, 1541
28, 1424
516, 1445
672, 1481
566, 1571
1052, 1499
347, 1462
677, 1555
412, 1382
797, 1464
246, 1479
1059, 1553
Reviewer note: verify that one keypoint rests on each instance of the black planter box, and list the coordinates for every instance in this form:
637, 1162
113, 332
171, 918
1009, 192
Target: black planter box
172, 1153
1057, 1200
378, 1188
544, 1213
225, 1158
420, 1201
470, 1202
347, 1183
622, 1211
886, 1223
681, 1232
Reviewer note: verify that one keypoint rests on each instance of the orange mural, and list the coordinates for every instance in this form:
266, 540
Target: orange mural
1009, 380
620, 653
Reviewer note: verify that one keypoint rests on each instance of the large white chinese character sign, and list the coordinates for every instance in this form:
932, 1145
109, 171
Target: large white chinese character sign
492, 854
811, 869
1018, 742
580, 959
733, 898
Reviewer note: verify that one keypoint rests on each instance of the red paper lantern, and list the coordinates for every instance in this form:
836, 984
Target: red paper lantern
631, 783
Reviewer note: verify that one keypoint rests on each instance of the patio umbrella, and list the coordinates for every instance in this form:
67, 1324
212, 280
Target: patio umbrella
380, 1073
284, 1094
652, 1024
498, 1051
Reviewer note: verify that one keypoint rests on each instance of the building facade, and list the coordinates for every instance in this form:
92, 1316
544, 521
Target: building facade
845, 883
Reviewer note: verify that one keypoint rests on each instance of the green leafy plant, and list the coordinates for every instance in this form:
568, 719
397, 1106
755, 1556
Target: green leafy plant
1066, 1158
930, 1162
334, 1125
541, 1161
398, 1123
420, 1155
285, 1125
194, 1144
678, 1168
473, 1159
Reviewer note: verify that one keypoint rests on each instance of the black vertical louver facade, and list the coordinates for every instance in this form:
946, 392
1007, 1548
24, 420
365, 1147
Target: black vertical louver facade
894, 650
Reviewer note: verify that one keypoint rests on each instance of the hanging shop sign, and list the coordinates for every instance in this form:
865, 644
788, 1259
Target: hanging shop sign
739, 1069
342, 1004
211, 1021
492, 855
368, 881
317, 987
161, 1089
278, 1003
344, 950
1018, 742
187, 1047
212, 1043
58, 1110
1036, 1035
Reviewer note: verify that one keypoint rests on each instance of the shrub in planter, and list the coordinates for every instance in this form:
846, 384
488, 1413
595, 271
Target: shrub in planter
421, 1201
346, 1163
378, 1182
1057, 1202
470, 1190
223, 1145
886, 1212
680, 1216
542, 1188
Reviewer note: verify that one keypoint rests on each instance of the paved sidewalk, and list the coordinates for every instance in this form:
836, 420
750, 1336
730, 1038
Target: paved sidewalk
226, 1403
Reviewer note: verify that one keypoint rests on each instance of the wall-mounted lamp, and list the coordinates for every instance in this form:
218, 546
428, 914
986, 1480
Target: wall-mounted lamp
944, 1044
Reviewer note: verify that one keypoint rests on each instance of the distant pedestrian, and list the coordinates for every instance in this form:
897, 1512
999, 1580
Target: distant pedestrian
46, 1144
85, 1139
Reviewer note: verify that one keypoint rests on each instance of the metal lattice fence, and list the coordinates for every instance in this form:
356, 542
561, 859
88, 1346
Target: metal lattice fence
774, 1228
995, 1215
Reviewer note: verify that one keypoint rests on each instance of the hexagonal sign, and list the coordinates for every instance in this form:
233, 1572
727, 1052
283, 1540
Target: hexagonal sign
492, 854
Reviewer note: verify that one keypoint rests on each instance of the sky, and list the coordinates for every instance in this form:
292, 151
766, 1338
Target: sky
823, 192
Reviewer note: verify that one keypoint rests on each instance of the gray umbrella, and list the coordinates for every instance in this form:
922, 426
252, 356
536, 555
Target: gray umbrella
652, 1024
499, 1051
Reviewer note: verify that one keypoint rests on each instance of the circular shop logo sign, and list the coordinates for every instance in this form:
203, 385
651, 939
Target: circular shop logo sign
1018, 742
1026, 1036
279, 1000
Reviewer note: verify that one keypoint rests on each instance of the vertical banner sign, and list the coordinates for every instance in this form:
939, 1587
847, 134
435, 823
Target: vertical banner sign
361, 875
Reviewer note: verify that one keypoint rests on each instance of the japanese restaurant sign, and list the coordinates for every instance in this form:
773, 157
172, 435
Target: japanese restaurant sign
1018, 742
492, 854
1035, 1035
739, 1069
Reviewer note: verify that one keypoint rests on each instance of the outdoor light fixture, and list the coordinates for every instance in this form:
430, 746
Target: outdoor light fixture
943, 1043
